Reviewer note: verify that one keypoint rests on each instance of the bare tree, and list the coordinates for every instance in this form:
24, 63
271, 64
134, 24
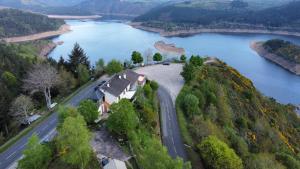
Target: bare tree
148, 54
41, 79
21, 107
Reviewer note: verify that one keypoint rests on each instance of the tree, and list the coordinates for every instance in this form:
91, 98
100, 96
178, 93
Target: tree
100, 66
154, 85
136, 57
83, 74
148, 90
67, 82
183, 58
123, 118
196, 60
64, 112
41, 78
77, 57
61, 64
218, 155
113, 67
157, 57
188, 72
148, 55
36, 155
21, 108
89, 110
191, 105
73, 142
9, 79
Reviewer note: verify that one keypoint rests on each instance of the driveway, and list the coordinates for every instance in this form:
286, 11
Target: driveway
43, 130
171, 82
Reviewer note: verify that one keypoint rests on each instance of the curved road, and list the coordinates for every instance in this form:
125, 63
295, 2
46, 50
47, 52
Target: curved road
171, 82
44, 130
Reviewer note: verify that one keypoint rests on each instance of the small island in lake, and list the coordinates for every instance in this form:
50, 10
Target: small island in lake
283, 53
163, 47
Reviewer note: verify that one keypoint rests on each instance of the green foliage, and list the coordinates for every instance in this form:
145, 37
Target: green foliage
148, 90
123, 118
157, 57
76, 58
73, 142
64, 112
136, 57
284, 49
151, 154
262, 161
236, 113
36, 155
218, 155
100, 66
89, 110
196, 60
191, 105
9, 78
183, 58
113, 67
188, 72
67, 82
288, 160
154, 85
19, 23
83, 74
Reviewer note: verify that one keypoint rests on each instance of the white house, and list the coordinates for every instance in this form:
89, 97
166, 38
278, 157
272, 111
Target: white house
121, 86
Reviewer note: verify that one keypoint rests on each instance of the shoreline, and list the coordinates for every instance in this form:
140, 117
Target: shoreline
75, 17
190, 32
168, 48
38, 36
259, 49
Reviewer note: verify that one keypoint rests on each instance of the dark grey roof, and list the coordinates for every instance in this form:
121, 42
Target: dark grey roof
131, 76
97, 95
118, 82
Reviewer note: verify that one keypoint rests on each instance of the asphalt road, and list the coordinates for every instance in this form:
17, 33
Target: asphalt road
170, 130
171, 82
44, 130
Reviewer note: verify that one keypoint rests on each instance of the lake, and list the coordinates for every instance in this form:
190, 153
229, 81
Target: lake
115, 40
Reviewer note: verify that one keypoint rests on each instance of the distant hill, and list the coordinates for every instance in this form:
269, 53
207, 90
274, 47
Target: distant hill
18, 23
84, 7
226, 16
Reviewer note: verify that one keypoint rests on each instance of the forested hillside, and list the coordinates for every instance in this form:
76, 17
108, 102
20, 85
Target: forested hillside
284, 49
18, 23
188, 15
221, 114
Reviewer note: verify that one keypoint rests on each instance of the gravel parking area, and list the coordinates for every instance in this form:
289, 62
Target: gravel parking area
166, 75
104, 144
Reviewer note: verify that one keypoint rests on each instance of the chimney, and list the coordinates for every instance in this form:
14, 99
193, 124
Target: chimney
108, 85
120, 76
124, 75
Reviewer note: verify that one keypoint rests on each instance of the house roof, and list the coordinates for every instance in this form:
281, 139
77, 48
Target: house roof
118, 83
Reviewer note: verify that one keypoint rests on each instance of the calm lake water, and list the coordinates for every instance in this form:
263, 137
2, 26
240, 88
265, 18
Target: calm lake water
113, 40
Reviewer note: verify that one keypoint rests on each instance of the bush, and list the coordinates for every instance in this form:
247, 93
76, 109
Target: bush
196, 60
191, 105
154, 85
288, 160
218, 155
89, 110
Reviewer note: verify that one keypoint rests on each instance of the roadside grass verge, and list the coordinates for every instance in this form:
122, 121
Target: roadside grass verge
25, 131
190, 149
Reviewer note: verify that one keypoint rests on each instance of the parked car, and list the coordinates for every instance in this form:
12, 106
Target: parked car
166, 63
99, 85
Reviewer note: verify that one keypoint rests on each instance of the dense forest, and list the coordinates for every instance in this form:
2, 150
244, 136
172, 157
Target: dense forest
185, 16
283, 49
221, 114
18, 23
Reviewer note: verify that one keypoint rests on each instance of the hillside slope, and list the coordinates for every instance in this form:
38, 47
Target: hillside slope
18, 23
186, 16
262, 132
